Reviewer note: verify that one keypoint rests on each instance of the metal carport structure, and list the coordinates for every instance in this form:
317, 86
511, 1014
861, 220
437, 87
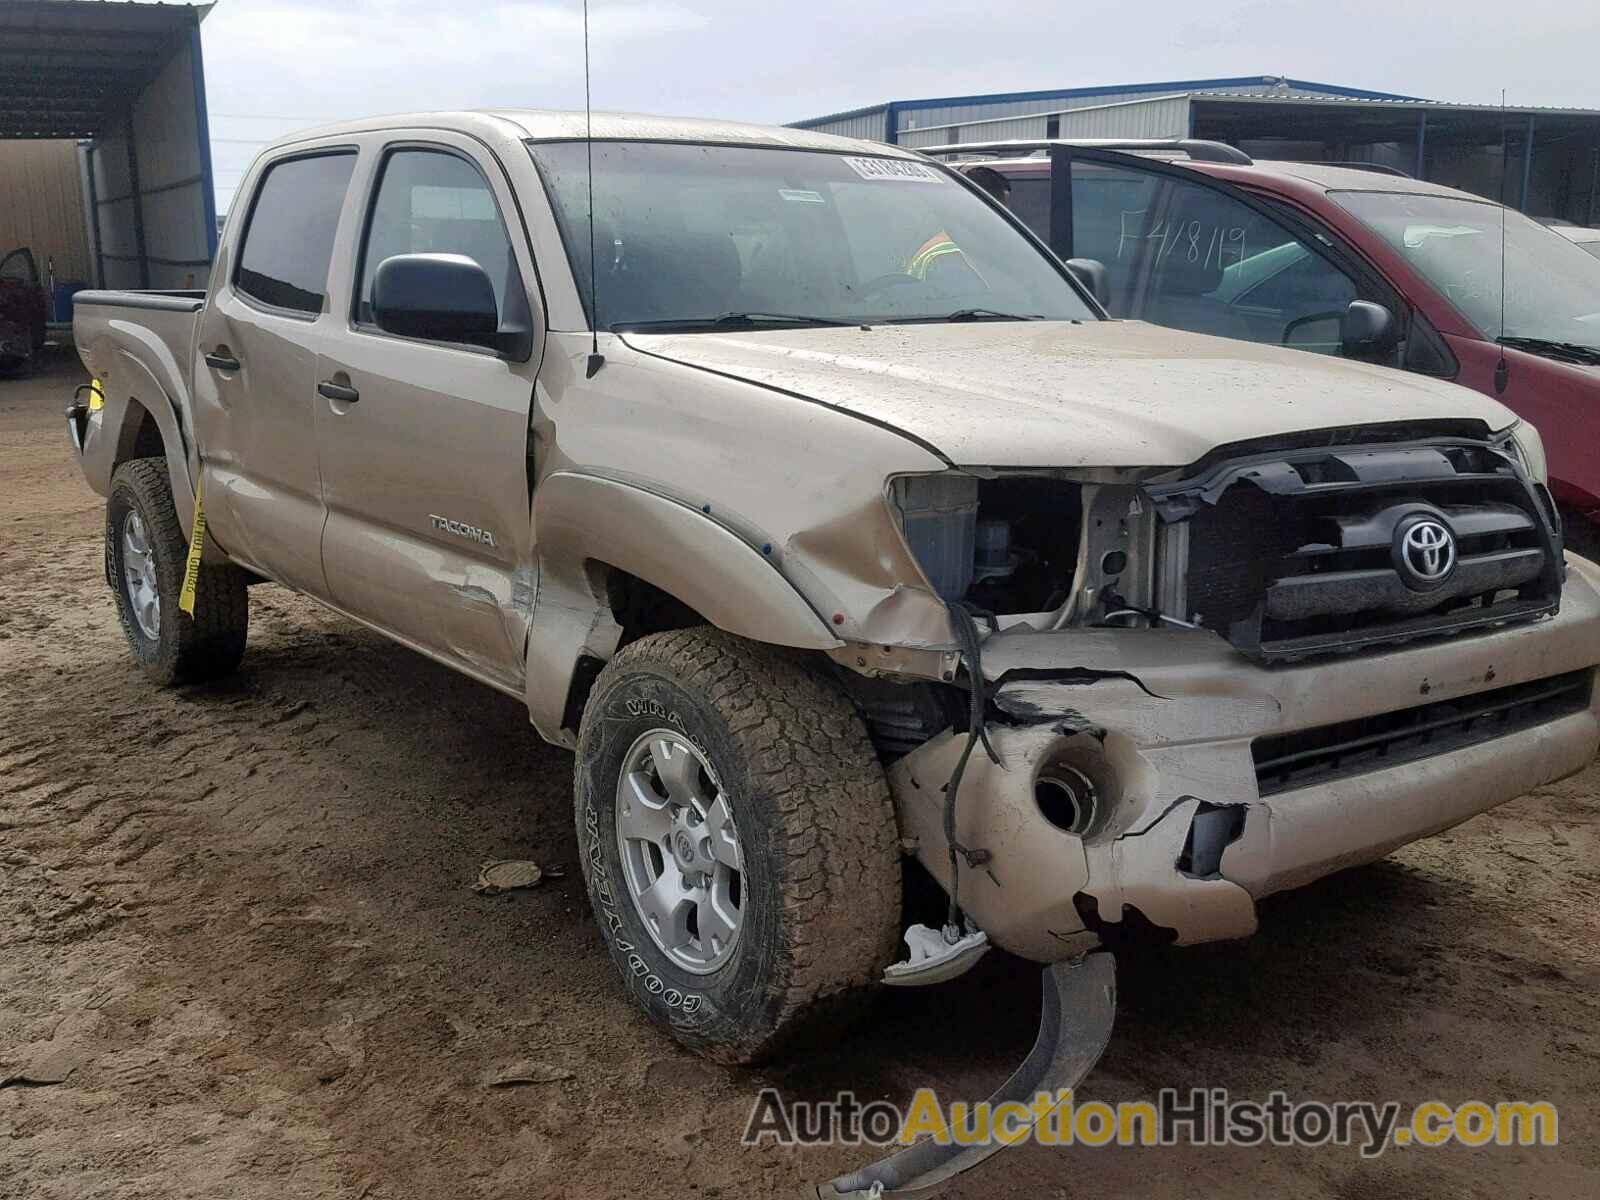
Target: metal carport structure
1545, 161
127, 82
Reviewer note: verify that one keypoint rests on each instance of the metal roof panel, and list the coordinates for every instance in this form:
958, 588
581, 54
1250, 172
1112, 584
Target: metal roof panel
65, 65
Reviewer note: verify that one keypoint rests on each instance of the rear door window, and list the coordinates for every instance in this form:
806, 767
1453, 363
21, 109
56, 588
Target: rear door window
1194, 257
1030, 203
1223, 267
1112, 211
288, 243
1113, 214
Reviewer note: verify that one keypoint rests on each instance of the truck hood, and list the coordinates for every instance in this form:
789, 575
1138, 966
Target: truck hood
1072, 394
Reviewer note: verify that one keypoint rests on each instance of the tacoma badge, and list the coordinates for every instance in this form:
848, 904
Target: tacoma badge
472, 532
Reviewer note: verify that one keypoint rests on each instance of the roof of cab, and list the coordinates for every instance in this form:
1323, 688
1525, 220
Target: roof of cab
1355, 179
1320, 175
554, 125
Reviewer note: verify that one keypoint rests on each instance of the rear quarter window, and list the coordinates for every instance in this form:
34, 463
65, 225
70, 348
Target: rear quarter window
288, 243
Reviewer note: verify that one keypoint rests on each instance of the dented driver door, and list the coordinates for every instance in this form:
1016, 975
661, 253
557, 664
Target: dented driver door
423, 443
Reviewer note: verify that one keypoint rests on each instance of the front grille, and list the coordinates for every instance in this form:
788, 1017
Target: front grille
1301, 554
1312, 756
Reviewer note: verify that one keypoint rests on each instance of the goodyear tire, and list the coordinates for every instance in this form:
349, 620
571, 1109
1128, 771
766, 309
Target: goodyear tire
146, 553
738, 842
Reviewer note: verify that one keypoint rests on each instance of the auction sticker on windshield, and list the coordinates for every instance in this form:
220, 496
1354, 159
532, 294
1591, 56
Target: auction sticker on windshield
893, 168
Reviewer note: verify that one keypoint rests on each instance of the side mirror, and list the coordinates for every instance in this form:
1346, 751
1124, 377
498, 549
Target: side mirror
441, 297
1367, 329
1092, 273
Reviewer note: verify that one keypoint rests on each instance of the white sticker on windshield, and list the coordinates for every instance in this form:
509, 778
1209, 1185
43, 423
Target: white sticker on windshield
893, 168
801, 197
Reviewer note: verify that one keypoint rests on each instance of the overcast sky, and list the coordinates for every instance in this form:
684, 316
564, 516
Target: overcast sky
276, 65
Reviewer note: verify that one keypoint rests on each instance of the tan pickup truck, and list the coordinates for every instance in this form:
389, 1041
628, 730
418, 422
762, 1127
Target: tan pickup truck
795, 486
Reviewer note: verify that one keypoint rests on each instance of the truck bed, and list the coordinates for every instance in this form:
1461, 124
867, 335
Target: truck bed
140, 344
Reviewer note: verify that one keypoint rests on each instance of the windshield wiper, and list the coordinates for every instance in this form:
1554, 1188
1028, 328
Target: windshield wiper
734, 320
966, 314
989, 314
1566, 351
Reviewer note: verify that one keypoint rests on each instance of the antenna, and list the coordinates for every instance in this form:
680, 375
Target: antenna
596, 359
1502, 369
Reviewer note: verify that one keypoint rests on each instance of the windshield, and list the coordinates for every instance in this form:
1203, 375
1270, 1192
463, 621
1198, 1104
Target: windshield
687, 234
1552, 286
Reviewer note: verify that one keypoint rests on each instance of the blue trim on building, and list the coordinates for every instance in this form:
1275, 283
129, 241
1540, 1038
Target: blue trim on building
202, 122
1177, 85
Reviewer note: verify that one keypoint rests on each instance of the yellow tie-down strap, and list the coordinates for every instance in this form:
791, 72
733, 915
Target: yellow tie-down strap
197, 545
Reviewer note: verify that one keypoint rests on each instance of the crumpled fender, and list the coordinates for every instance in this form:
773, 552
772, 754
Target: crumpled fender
580, 519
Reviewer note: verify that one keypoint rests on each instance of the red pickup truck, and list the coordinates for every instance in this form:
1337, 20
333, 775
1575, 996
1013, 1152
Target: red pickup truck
22, 312
1198, 236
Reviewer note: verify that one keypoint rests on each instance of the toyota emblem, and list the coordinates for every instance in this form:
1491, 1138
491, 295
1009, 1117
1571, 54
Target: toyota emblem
1426, 552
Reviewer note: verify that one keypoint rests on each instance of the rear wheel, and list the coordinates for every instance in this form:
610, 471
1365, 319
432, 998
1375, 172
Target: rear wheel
738, 842
147, 553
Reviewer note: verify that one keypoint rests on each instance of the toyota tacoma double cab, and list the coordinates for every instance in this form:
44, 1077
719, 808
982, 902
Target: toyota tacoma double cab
822, 511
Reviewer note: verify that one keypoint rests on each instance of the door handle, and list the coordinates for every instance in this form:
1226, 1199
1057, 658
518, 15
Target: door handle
222, 362
338, 391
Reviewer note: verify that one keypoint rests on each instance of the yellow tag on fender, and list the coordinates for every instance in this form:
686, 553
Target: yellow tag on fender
197, 545
97, 396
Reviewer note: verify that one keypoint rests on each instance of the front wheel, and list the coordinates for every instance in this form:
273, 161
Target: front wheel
147, 553
738, 841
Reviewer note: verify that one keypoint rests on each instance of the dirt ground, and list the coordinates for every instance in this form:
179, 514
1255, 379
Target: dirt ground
241, 913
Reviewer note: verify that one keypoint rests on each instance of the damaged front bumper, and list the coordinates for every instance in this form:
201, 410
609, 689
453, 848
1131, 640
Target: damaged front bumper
1207, 781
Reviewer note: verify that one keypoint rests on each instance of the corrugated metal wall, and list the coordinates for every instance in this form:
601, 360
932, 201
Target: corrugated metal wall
1140, 113
989, 131
962, 114
1158, 117
1152, 117
1102, 114
155, 212
869, 124
111, 186
41, 205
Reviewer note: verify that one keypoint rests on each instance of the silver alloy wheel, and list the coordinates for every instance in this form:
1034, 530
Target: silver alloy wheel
681, 857
139, 576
